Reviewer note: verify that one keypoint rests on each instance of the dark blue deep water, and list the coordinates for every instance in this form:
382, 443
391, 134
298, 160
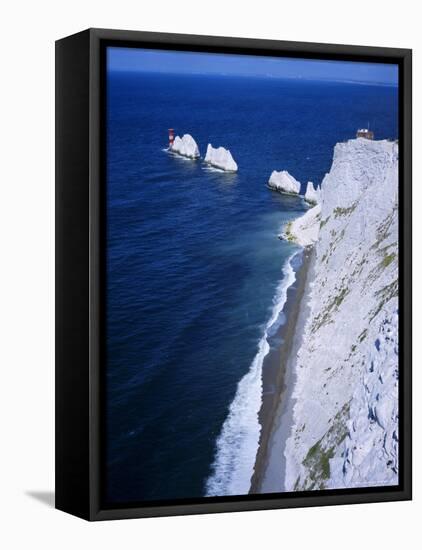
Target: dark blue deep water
193, 259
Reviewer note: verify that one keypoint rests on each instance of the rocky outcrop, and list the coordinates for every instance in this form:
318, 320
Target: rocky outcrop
186, 147
312, 195
220, 158
284, 183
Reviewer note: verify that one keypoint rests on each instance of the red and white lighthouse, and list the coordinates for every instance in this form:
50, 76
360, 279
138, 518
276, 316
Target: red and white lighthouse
171, 137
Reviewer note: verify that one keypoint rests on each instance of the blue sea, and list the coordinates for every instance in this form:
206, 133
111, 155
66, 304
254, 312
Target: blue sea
195, 272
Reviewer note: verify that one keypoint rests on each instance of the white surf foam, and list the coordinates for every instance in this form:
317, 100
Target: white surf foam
177, 155
209, 168
237, 443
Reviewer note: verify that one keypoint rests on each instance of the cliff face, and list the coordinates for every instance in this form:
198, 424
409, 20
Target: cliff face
345, 416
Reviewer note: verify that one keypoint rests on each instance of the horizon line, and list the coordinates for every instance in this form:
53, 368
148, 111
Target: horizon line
256, 75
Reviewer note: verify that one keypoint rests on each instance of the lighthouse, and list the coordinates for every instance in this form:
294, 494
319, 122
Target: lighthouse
171, 137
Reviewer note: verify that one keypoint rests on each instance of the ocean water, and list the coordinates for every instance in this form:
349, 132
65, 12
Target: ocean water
196, 276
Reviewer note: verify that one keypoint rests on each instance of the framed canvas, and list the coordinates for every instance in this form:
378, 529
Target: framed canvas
233, 276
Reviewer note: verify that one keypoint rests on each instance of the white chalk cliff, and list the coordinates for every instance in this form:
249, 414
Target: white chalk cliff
220, 158
304, 231
312, 195
345, 411
284, 183
185, 146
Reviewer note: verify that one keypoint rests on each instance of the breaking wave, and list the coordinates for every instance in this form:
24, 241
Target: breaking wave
237, 444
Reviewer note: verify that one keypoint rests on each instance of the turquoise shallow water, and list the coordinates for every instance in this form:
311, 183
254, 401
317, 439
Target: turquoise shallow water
193, 259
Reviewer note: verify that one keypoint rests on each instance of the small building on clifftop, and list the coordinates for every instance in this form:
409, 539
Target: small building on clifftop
365, 133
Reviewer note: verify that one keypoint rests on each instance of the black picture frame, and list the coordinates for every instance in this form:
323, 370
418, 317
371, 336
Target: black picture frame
80, 154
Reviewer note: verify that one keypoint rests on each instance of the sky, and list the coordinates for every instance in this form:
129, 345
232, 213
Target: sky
162, 61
